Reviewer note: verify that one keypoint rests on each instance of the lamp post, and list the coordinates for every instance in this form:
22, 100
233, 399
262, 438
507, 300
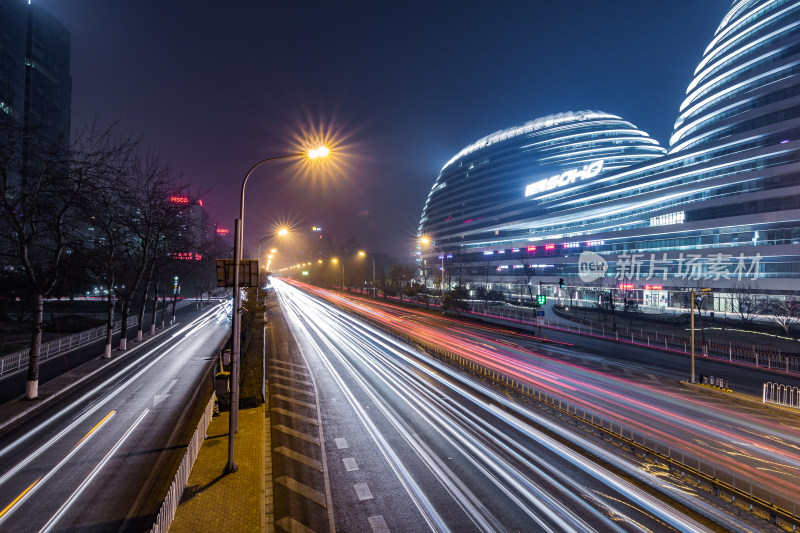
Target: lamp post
280, 233
703, 293
426, 241
237, 323
334, 261
374, 289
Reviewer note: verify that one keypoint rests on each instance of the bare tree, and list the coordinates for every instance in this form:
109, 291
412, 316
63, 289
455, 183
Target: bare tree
748, 305
106, 235
604, 289
40, 211
149, 187
784, 311
527, 276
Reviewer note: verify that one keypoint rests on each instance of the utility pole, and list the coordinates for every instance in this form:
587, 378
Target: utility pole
703, 292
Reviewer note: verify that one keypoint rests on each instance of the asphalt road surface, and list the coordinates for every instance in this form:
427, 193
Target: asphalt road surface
412, 445
102, 457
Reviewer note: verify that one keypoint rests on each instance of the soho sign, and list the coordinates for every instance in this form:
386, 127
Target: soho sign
567, 178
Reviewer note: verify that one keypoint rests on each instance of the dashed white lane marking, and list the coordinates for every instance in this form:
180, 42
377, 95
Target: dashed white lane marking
291, 389
287, 363
378, 524
287, 378
340, 443
303, 490
295, 433
287, 523
280, 411
363, 492
300, 458
292, 400
350, 464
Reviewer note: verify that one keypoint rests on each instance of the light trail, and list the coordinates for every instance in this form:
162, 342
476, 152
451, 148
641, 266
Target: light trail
41, 481
415, 492
484, 446
97, 397
113, 392
74, 496
715, 434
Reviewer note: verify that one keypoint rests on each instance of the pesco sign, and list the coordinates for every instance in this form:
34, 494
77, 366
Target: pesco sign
566, 178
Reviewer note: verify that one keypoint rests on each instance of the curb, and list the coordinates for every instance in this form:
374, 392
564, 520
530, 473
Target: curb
38, 404
738, 396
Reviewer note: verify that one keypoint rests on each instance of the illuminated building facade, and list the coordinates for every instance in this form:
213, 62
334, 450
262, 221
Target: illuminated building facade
587, 198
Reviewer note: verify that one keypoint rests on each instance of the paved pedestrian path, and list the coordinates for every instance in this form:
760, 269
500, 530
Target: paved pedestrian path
234, 502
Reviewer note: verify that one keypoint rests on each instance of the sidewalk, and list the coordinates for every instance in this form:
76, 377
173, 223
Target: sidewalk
213, 501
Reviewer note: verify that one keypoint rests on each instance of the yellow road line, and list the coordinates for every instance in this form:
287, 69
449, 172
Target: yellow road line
109, 415
18, 498
32, 485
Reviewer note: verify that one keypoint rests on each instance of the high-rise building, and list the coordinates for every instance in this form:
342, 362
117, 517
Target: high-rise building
586, 199
35, 82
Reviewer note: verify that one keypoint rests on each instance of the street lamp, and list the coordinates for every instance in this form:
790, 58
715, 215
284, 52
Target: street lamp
703, 293
426, 241
334, 261
281, 232
316, 153
362, 253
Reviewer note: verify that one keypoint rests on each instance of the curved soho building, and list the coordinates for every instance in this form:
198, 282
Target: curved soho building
587, 198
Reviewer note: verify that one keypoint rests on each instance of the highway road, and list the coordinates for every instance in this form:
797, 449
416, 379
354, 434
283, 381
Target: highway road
756, 444
412, 444
102, 457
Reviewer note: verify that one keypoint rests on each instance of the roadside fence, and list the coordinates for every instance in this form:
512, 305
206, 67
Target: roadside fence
743, 353
170, 506
781, 395
15, 361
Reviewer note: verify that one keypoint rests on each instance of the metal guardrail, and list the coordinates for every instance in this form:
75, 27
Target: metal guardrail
781, 395
15, 361
779, 508
742, 353
170, 506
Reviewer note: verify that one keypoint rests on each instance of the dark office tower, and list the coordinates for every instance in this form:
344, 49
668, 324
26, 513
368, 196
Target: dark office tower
13, 23
35, 84
48, 85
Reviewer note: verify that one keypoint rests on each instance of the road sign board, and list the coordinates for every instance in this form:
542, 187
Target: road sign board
248, 273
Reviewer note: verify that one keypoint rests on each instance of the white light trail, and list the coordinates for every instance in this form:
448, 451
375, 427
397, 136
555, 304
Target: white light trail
118, 388
67, 504
32, 489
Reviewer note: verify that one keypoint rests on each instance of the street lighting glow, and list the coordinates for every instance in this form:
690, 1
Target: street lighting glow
334, 260
283, 231
424, 241
319, 152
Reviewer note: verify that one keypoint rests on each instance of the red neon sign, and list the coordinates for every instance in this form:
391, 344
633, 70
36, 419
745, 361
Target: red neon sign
653, 287
222, 231
549, 246
531, 249
627, 286
179, 199
187, 256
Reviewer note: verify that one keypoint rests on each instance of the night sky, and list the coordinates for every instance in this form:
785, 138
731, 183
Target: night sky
402, 86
